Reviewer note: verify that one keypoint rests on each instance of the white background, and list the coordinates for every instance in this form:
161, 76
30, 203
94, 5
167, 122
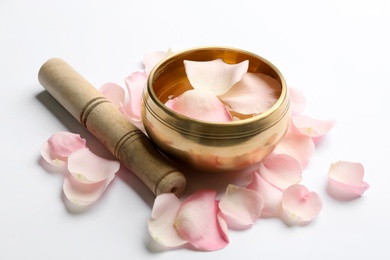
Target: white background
336, 52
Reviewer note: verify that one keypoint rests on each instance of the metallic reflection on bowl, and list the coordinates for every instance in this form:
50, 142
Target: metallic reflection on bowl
205, 145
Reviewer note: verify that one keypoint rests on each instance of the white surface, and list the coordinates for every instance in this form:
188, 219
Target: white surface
336, 52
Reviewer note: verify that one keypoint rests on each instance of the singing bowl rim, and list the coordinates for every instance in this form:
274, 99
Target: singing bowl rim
274, 108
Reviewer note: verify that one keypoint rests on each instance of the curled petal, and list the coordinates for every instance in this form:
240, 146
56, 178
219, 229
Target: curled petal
65, 143
297, 146
114, 93
214, 76
201, 105
59, 146
135, 84
84, 194
346, 180
298, 101
241, 206
253, 94
87, 167
151, 59
198, 222
299, 205
271, 195
52, 158
312, 127
224, 229
163, 216
281, 170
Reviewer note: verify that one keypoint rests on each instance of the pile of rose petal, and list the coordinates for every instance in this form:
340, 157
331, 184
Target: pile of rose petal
202, 220
86, 174
221, 90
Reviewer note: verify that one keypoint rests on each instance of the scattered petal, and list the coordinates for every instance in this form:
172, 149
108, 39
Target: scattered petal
223, 225
241, 206
59, 146
271, 195
151, 59
64, 143
297, 146
253, 94
281, 170
87, 167
84, 194
312, 127
214, 76
201, 220
201, 105
299, 205
51, 158
198, 222
160, 225
135, 84
114, 93
346, 180
297, 101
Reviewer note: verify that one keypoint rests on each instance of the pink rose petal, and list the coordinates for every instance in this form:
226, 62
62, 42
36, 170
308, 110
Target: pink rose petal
65, 143
312, 127
84, 194
51, 158
241, 206
299, 205
224, 229
281, 170
87, 167
59, 146
198, 222
271, 195
151, 59
298, 101
253, 94
161, 224
114, 93
297, 146
200, 105
135, 84
214, 76
346, 180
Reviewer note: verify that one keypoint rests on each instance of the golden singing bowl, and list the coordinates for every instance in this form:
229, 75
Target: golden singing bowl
206, 145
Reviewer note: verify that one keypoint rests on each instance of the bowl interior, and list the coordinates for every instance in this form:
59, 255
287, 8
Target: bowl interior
169, 79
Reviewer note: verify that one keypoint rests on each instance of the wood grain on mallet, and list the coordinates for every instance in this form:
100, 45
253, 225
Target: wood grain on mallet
102, 119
